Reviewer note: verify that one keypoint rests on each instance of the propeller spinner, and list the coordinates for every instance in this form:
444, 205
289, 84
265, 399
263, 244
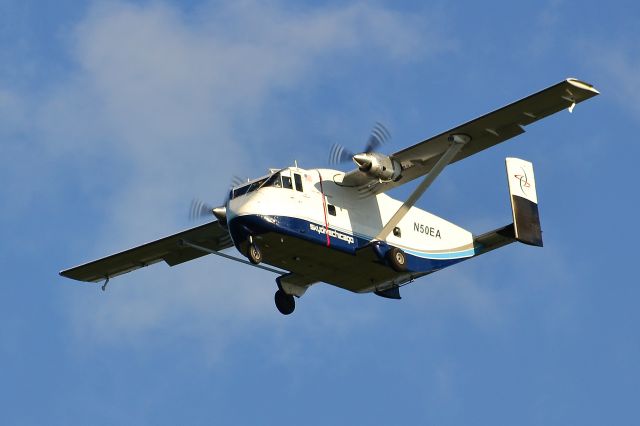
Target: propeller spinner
200, 209
379, 136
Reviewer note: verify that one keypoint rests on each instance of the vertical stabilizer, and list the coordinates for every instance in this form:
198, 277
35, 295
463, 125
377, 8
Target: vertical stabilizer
524, 201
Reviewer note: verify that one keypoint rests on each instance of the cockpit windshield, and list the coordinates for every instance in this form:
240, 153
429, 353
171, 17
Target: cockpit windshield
240, 191
255, 185
274, 181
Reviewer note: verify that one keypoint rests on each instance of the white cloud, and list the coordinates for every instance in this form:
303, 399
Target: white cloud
464, 292
162, 96
618, 67
11, 110
545, 36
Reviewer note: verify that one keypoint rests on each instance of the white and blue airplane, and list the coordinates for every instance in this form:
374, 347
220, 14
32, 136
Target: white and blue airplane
322, 225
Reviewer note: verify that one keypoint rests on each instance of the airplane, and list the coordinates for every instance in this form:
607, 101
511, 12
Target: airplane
326, 226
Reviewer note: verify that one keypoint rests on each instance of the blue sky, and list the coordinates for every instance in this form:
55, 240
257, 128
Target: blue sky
114, 115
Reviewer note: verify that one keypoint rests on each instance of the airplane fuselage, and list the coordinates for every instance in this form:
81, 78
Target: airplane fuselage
310, 224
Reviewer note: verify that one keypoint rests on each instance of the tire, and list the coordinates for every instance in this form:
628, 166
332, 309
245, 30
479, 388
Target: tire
397, 259
254, 254
285, 303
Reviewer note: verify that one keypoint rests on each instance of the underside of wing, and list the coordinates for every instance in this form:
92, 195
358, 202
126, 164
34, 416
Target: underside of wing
169, 249
484, 132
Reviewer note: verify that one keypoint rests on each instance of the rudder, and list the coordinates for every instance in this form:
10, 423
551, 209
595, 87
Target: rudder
524, 201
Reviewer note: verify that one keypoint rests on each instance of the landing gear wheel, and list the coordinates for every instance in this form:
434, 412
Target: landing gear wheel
284, 302
254, 254
397, 259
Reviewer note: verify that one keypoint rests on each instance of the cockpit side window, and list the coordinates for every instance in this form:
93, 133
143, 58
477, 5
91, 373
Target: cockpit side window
298, 180
286, 182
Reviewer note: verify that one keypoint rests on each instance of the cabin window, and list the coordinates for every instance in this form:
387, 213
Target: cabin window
286, 182
331, 209
298, 180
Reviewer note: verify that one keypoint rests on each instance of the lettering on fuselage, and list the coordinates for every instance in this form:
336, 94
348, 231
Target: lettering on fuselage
335, 234
427, 230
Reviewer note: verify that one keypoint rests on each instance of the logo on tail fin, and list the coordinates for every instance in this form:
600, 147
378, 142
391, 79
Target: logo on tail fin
524, 181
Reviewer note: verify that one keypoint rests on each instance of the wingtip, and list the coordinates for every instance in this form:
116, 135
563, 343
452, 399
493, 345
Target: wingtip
582, 85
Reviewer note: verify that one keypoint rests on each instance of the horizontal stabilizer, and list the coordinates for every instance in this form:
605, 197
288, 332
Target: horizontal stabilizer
494, 239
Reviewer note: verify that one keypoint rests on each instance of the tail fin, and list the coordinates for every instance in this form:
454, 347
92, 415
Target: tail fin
524, 202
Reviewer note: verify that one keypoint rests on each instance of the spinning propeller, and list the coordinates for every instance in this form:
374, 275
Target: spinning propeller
200, 209
379, 135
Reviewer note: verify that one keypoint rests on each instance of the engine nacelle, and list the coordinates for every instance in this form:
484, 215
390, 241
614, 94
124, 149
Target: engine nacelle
378, 166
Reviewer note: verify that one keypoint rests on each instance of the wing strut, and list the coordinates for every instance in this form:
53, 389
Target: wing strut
227, 256
457, 142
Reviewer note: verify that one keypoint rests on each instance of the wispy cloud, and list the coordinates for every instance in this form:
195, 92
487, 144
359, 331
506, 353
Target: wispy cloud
461, 292
162, 97
544, 29
616, 64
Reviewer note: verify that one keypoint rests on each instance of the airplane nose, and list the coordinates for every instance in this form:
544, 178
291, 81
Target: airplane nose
363, 161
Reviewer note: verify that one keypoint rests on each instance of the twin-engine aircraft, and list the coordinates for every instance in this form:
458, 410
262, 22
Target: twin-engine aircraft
322, 225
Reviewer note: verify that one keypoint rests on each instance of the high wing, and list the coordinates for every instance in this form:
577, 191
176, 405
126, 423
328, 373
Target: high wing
211, 235
485, 131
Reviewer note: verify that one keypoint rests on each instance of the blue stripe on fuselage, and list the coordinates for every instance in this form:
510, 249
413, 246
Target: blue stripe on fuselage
243, 226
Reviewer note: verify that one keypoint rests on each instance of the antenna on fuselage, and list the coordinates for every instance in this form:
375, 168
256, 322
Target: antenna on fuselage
295, 163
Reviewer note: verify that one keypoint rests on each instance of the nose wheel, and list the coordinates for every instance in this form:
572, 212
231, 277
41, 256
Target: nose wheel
285, 303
